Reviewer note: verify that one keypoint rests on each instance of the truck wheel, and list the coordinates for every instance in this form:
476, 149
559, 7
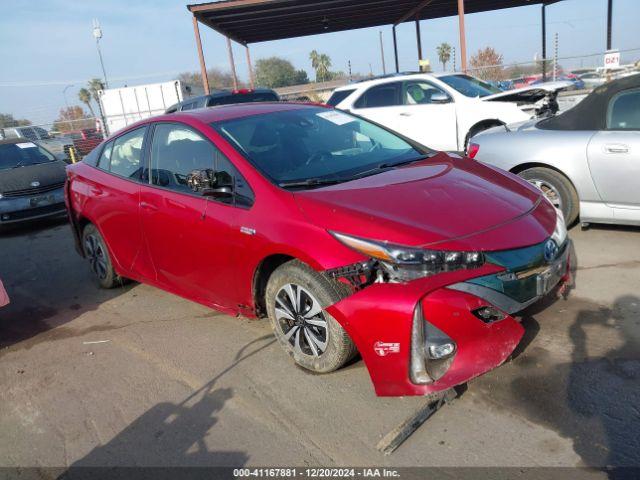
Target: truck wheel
557, 188
295, 297
95, 250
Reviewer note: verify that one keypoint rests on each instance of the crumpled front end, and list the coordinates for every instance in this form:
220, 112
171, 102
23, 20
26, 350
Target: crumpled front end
436, 332
402, 331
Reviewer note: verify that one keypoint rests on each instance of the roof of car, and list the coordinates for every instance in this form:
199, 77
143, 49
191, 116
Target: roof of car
391, 76
238, 110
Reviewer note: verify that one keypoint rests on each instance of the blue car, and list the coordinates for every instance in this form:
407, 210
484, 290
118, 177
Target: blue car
31, 182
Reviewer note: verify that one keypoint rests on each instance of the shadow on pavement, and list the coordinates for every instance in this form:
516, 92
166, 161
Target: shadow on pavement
48, 284
173, 435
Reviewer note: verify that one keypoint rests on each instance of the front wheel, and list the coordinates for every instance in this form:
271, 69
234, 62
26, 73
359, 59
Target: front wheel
95, 250
557, 188
296, 296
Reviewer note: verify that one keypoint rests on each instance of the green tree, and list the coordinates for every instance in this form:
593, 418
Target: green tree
84, 96
7, 120
444, 54
321, 63
277, 72
218, 79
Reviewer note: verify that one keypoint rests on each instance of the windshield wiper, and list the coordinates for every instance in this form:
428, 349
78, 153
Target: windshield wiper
311, 182
389, 165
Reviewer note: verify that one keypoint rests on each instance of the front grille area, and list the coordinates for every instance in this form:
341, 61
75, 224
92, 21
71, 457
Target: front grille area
33, 190
33, 212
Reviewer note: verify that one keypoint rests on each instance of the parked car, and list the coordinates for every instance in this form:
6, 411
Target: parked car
592, 79
58, 146
347, 236
573, 82
226, 97
441, 111
4, 298
31, 182
85, 140
586, 160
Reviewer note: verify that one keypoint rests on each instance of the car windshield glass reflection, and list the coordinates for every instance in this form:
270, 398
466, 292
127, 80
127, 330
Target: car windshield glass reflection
313, 146
15, 155
469, 86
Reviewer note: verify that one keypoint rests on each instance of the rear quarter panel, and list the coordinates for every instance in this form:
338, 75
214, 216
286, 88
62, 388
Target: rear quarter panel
565, 151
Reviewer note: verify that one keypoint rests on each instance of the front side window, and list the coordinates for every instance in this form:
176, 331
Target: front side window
469, 86
385, 95
315, 145
624, 111
176, 151
126, 154
14, 155
419, 92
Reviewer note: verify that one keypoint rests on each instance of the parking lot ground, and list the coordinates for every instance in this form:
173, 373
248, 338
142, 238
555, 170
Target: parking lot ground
136, 376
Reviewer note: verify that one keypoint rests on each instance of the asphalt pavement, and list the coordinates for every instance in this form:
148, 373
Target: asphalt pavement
137, 376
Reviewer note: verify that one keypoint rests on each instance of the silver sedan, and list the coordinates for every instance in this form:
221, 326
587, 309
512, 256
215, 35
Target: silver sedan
586, 160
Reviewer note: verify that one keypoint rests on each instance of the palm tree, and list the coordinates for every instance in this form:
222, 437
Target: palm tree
85, 97
444, 54
321, 64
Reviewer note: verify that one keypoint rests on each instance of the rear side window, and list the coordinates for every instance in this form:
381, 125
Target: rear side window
125, 154
624, 111
385, 95
243, 98
339, 96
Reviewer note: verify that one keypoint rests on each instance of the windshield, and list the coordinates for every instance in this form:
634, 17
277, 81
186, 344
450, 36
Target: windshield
469, 86
14, 155
315, 145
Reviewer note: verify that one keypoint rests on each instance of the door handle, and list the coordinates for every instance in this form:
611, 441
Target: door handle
148, 206
95, 191
616, 148
405, 114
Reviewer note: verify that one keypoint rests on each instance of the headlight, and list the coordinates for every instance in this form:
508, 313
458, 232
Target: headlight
407, 263
559, 234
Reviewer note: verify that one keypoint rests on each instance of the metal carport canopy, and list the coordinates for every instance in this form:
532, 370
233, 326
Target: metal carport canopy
252, 21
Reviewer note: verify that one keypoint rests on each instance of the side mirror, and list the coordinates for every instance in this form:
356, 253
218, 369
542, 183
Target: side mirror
440, 97
210, 183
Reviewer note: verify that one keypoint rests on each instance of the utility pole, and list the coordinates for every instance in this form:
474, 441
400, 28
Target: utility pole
555, 57
350, 76
384, 67
232, 64
454, 59
97, 34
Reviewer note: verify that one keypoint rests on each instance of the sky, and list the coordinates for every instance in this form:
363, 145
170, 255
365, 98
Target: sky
47, 45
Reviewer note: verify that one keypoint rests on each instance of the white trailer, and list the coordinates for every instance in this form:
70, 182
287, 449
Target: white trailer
124, 106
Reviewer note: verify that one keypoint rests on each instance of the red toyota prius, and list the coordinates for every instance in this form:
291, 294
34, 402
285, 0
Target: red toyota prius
350, 238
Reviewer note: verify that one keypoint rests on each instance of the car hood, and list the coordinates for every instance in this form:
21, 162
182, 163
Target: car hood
526, 95
445, 200
50, 173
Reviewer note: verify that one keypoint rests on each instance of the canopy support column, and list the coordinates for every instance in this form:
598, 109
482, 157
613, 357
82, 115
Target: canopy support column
395, 49
463, 39
251, 78
203, 67
418, 39
232, 64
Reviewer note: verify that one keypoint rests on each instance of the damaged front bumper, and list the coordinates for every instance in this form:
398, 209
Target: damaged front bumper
433, 333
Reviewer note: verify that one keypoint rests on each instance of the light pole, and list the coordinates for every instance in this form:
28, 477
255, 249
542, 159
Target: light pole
97, 34
64, 92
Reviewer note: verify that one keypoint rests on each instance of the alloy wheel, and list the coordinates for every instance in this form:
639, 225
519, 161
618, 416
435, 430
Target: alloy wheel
549, 190
301, 320
95, 253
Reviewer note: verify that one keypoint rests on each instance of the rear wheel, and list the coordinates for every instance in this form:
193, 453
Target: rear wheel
557, 188
296, 296
96, 252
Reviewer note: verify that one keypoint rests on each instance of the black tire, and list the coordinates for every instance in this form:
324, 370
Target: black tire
549, 180
95, 250
339, 348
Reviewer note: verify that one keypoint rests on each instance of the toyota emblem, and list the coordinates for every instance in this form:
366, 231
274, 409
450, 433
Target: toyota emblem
35, 184
550, 251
